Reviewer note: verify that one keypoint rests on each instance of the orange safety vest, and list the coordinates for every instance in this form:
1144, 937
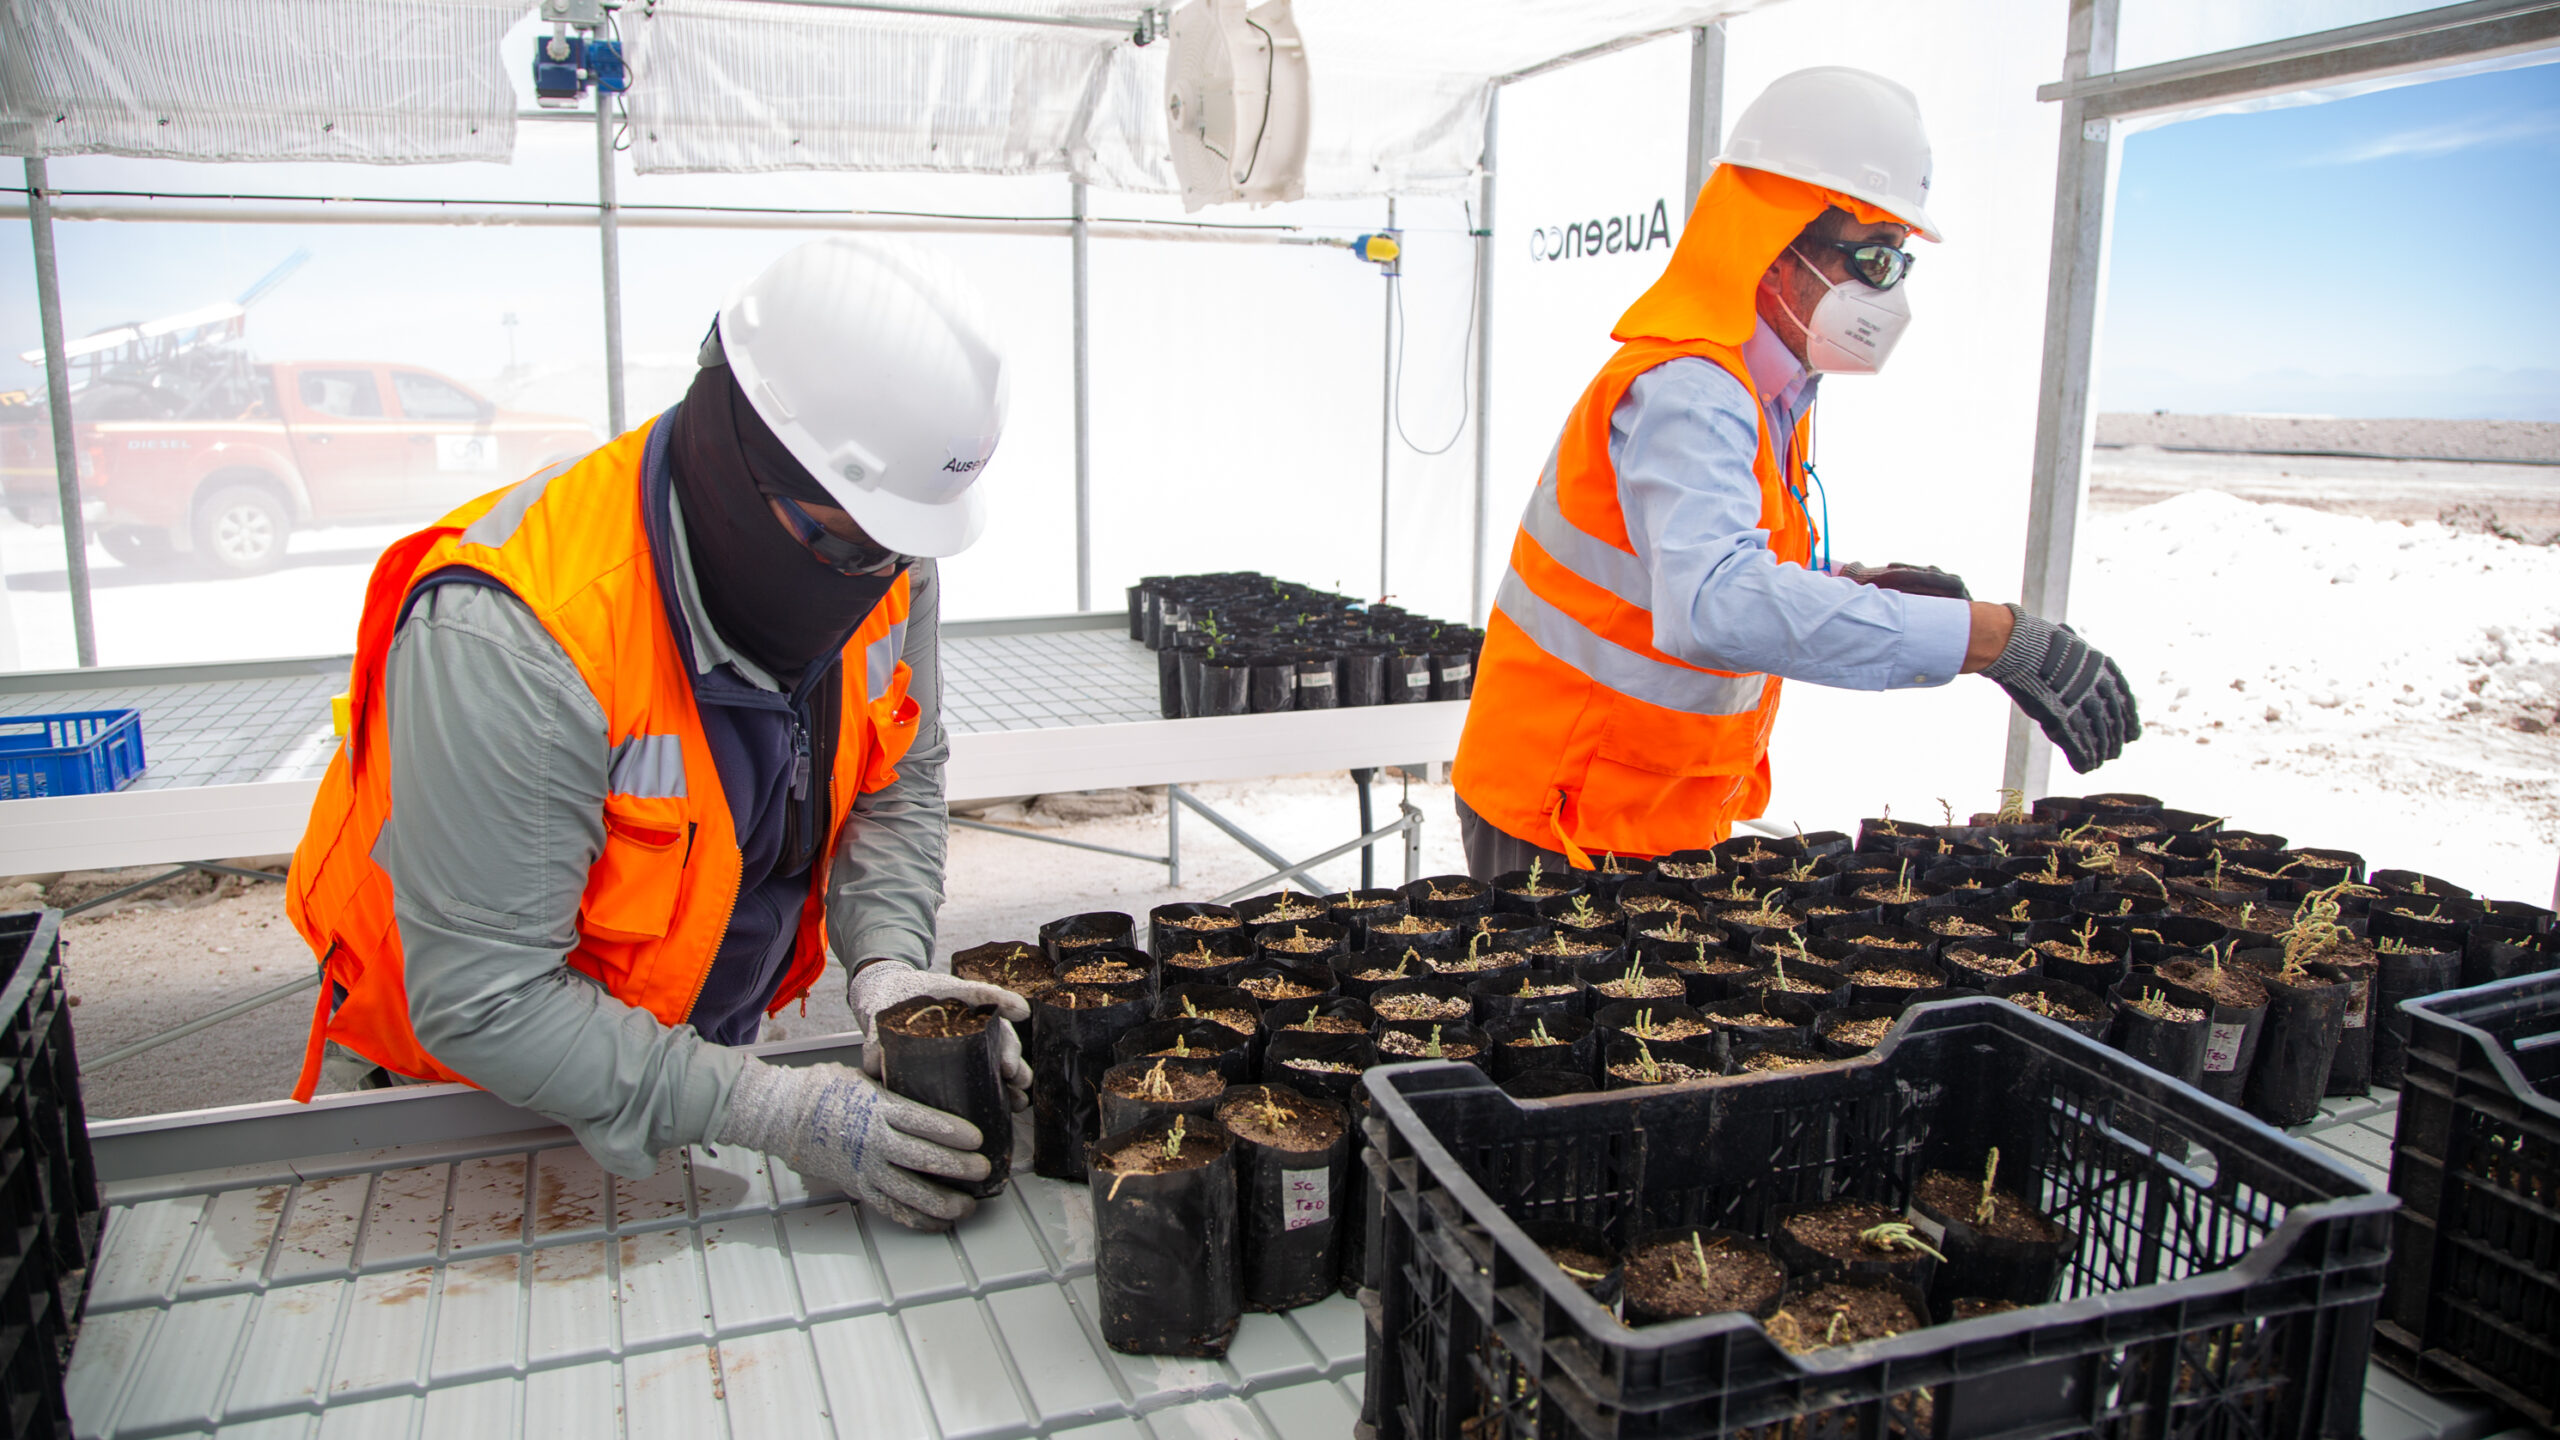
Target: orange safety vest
575, 549
1581, 735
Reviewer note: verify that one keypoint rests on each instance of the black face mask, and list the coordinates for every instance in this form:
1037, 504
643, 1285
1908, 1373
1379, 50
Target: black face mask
770, 598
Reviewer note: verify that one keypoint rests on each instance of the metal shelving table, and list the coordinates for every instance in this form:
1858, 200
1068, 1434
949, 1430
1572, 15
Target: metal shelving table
1032, 705
429, 1261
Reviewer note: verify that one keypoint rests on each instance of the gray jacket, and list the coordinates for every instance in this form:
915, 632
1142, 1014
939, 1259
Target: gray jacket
498, 766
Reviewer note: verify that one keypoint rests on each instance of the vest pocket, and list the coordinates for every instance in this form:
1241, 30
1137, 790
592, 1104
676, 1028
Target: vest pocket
631, 889
895, 718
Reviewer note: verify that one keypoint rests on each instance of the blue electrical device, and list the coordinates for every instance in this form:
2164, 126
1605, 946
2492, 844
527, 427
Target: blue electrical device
564, 65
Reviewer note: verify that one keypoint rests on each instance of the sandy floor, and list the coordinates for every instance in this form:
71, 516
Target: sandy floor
2526, 496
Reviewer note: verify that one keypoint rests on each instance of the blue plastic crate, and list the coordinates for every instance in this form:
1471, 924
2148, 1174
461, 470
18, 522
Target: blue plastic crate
82, 752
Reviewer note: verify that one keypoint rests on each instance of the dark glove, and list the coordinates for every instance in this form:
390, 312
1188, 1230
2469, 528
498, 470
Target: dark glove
1910, 579
2076, 693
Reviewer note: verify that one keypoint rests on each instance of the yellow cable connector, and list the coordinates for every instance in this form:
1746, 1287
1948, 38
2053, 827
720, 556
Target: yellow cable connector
1377, 249
341, 712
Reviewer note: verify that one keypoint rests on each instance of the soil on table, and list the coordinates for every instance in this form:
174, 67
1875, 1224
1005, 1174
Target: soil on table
1299, 942
1664, 1278
1768, 1061
1665, 1072
1820, 909
1957, 927
1678, 1027
1418, 1047
1891, 942
1475, 962
2073, 950
925, 1018
1974, 1306
1163, 1083
1540, 992
1271, 989
1988, 964
1294, 1130
1565, 947
2230, 985
1841, 1315
1193, 1149
2011, 1217
1537, 1039
2049, 1006
1421, 1007
1970, 882
1329, 1025
1865, 1034
1893, 976
1104, 972
1901, 894
1410, 925
1643, 987
1021, 969
1580, 1266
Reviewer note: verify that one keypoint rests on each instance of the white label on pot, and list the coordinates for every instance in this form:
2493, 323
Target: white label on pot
1934, 1231
1321, 680
2222, 1047
2357, 994
1416, 679
1303, 1198
1456, 672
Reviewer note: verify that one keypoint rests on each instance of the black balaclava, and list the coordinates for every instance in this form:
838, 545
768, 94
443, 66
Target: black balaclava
769, 597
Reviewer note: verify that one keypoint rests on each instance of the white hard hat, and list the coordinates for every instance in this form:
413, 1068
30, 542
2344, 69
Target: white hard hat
875, 363
1847, 130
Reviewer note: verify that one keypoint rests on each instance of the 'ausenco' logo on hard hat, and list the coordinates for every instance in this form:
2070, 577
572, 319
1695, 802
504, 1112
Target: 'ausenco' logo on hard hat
957, 466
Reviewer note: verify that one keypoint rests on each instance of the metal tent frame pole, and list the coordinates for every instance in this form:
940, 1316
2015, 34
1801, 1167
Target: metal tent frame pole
1478, 607
57, 393
1706, 109
1386, 402
609, 237
1079, 240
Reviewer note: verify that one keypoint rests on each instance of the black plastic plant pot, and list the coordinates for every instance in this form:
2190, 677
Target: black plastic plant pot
1854, 1029
1136, 1091
2017, 1254
1893, 982
1294, 1192
2496, 952
1547, 1085
2157, 938
1958, 923
1281, 907
1609, 871
1651, 904
2411, 882
1584, 1255
1512, 894
1408, 679
1576, 950
1453, 675
1685, 867
1165, 1258
1117, 968
1818, 985
2404, 975
1401, 1042
2030, 877
2351, 1069
1364, 678
1769, 1057
2113, 805
1628, 1064
1448, 897
1181, 1039
1479, 962
2172, 1043
2119, 906
1271, 984
1319, 1064
1274, 684
1325, 1015
1363, 975
1874, 941
1166, 927
1202, 1000
2426, 922
1007, 964
2303, 1027
1527, 995
2237, 1026
1318, 686
2070, 1006
1883, 834
943, 1054
1714, 976
1828, 1242
1301, 942
1822, 914
1740, 852
1440, 1000
2094, 960
1663, 1281
1059, 939
1983, 963
1506, 930
1613, 980
1214, 958
1544, 1042
1425, 932
1584, 914
1357, 910
1074, 1030
1967, 884
1763, 1016
1816, 949
1169, 683
1226, 688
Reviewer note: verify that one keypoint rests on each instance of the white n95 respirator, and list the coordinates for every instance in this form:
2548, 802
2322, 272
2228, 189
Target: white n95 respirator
1854, 328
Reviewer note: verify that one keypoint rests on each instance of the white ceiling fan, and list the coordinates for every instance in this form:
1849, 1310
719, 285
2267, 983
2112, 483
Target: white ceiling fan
1235, 95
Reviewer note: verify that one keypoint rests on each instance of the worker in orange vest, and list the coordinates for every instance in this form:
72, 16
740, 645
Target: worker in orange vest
1663, 580
633, 740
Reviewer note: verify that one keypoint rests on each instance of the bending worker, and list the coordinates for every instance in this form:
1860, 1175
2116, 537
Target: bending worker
634, 739
1661, 584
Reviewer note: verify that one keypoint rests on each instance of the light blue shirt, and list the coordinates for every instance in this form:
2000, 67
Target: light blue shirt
1682, 441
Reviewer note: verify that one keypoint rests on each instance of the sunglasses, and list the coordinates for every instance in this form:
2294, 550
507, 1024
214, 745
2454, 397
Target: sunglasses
845, 557
1880, 265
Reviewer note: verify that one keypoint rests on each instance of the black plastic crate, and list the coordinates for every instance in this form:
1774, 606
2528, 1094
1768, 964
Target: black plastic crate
2474, 1300
2225, 1285
48, 1183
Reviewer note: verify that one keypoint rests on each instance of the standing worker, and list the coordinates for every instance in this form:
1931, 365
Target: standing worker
634, 739
1662, 583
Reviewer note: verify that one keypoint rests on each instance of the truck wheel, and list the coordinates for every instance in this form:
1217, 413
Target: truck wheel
241, 530
140, 547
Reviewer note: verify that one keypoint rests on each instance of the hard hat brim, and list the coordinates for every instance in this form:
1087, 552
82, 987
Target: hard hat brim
913, 527
1901, 210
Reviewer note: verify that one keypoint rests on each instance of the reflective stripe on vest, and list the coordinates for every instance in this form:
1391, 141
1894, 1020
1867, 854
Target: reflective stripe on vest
1617, 571
647, 767
880, 660
1673, 687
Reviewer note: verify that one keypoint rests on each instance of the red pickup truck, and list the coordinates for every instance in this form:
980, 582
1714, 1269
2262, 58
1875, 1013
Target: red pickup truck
305, 445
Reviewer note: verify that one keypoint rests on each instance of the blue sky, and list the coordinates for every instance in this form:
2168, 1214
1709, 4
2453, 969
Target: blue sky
2382, 255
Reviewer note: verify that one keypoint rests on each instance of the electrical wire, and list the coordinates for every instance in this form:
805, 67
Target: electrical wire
1270, 72
1466, 358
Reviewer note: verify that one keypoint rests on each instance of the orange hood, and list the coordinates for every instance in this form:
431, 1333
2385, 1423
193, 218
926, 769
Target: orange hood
1743, 219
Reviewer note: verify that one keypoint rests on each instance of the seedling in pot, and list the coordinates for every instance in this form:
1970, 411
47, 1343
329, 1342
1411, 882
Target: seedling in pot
1897, 1235
1156, 1086
2013, 808
1990, 1170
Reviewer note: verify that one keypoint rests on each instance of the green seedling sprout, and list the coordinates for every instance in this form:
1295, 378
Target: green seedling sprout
1990, 1168
2013, 808
1581, 913
1538, 1033
2154, 1003
1155, 1086
1537, 868
1831, 1332
2052, 864
1646, 1065
1405, 965
1999, 847
1173, 1140
1897, 1235
1778, 966
1182, 1046
2392, 945
1697, 1247
1189, 1010
1432, 1050
2019, 910
1579, 1274
1947, 810
1475, 945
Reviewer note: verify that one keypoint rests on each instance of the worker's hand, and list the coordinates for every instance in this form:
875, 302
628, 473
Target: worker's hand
880, 986
1910, 579
830, 1123
2075, 692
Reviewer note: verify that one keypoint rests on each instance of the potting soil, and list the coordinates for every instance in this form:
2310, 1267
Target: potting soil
1422, 1007
1162, 1082
1412, 1046
1579, 1266
1663, 1279
1643, 987
1665, 1072
2011, 1218
1105, 972
1768, 1061
1271, 989
1841, 1314
1864, 1034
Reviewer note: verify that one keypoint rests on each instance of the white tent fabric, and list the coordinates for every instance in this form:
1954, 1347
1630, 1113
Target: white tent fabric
398, 82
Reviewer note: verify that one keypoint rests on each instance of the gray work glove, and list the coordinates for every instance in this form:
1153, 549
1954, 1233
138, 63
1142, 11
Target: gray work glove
830, 1123
1910, 579
2074, 691
892, 982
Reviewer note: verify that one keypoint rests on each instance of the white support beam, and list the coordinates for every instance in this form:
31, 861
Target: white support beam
1706, 109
